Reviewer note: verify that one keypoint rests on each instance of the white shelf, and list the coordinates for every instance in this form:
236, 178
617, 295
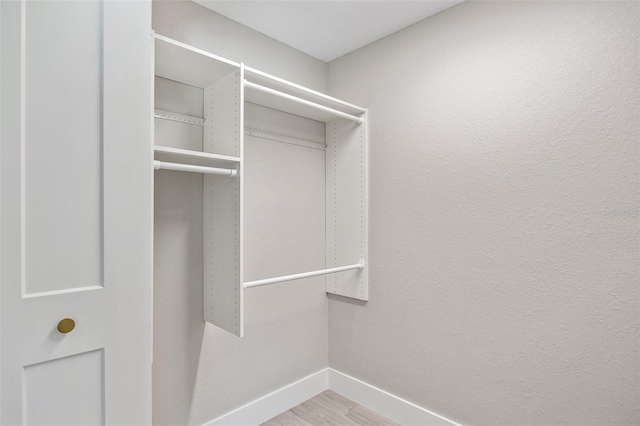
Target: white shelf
284, 86
196, 158
282, 101
186, 64
189, 65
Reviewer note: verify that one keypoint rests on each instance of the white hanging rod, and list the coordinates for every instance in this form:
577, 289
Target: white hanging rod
162, 165
303, 275
303, 101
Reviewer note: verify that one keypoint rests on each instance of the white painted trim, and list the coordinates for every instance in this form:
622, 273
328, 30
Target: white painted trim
382, 402
277, 402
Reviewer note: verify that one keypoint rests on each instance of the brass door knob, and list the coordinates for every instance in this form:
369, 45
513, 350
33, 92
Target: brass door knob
66, 325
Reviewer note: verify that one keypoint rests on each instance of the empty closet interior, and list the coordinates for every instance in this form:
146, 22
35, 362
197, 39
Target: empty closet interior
248, 138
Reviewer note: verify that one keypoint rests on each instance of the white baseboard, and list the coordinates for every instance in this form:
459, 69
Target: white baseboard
277, 402
382, 402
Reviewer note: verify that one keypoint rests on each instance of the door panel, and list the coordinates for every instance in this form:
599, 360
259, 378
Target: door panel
63, 123
76, 218
53, 399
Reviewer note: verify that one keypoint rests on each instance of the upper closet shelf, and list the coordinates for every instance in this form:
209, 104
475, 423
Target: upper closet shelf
263, 95
273, 92
186, 64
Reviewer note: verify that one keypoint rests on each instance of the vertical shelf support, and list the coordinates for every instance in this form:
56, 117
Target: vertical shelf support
222, 204
347, 191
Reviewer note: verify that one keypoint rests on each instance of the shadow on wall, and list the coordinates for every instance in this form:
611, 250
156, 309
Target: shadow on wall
348, 300
178, 325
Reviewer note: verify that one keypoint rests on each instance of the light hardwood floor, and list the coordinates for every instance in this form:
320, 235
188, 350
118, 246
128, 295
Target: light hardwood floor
329, 408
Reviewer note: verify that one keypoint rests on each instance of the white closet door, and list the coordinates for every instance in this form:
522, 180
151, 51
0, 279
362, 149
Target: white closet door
76, 217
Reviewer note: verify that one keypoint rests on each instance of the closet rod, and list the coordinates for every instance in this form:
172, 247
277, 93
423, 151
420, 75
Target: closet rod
303, 101
162, 165
303, 275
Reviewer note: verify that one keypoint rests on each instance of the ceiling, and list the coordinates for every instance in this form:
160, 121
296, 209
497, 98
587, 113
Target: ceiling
327, 29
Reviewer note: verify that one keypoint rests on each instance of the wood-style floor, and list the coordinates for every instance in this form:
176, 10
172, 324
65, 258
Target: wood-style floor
329, 408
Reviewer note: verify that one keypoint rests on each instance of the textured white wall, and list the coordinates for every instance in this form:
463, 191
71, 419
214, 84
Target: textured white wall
504, 214
200, 371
